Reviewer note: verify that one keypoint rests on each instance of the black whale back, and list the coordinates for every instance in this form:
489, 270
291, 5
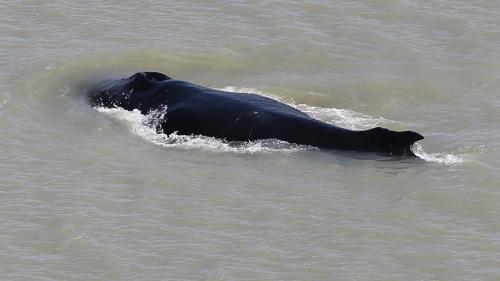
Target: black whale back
194, 109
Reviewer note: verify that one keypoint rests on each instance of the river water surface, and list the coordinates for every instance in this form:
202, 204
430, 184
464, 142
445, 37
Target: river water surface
96, 194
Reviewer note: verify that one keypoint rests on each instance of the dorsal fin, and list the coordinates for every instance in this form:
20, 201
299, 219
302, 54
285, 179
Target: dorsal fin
385, 140
141, 80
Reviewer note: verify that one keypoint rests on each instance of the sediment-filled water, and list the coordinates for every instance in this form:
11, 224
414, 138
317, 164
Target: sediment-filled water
96, 194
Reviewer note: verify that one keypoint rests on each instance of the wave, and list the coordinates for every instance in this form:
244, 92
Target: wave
443, 158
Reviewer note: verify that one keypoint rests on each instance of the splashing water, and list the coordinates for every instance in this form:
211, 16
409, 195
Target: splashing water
443, 158
146, 126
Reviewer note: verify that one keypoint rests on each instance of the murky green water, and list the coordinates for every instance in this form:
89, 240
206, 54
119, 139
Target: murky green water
90, 194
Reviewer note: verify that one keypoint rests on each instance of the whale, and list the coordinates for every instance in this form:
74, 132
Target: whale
191, 109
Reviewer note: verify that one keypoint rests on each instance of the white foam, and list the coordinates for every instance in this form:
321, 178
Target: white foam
340, 117
145, 127
443, 158
343, 117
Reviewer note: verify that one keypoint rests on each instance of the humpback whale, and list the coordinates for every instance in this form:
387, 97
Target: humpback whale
197, 110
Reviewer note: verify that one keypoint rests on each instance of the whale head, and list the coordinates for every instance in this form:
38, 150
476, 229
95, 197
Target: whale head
117, 92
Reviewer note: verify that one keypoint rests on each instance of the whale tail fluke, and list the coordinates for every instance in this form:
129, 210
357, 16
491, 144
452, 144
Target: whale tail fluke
392, 142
